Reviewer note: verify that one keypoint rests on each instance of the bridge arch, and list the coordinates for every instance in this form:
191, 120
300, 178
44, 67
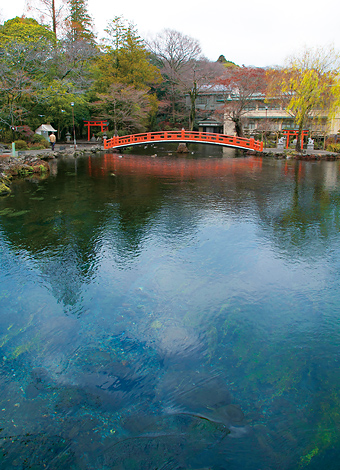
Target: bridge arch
184, 136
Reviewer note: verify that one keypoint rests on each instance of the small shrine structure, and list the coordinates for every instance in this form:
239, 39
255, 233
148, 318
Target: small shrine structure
45, 130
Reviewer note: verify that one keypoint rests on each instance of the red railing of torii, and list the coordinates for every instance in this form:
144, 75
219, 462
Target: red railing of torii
184, 136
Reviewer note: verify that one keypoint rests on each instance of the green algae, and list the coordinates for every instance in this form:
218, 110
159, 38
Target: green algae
25, 347
326, 436
18, 213
6, 211
13, 331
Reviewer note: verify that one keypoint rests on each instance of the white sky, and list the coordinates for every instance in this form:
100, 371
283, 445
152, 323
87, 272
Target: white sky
250, 32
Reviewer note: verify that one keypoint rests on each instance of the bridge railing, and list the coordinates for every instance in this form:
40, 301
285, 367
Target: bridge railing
185, 136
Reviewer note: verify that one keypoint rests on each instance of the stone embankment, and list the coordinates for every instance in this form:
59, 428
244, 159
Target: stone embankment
19, 166
303, 155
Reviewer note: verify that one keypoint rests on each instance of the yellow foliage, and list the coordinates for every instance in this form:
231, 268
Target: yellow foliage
308, 86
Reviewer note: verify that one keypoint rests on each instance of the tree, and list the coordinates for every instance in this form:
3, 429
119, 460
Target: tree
74, 60
55, 105
124, 58
26, 31
194, 76
240, 86
225, 62
40, 77
25, 60
52, 11
125, 106
116, 32
79, 20
308, 86
174, 52
123, 72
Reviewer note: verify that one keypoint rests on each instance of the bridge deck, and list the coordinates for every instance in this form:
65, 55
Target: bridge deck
184, 136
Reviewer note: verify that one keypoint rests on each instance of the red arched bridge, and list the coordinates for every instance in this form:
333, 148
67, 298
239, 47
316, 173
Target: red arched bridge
184, 136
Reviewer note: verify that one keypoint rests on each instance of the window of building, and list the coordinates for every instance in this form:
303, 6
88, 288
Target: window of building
202, 100
288, 125
264, 106
274, 106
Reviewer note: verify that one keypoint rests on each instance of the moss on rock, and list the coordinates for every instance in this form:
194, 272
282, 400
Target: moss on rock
4, 189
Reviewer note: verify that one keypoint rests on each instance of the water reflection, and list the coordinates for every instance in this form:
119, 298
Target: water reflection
168, 312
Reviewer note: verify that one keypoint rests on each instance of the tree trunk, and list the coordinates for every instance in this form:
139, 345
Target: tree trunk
238, 128
298, 138
54, 22
114, 120
173, 100
192, 116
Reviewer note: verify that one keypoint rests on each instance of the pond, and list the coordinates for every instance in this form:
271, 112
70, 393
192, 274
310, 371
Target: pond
170, 312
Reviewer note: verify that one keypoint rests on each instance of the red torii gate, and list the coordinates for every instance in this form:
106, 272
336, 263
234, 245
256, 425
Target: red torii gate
292, 132
104, 126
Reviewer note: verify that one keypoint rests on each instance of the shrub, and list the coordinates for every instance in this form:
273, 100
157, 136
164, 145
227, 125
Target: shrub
20, 145
100, 134
39, 143
270, 144
333, 147
38, 139
6, 136
37, 147
25, 131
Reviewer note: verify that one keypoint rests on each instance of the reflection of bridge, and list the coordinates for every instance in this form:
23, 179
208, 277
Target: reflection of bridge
184, 136
179, 168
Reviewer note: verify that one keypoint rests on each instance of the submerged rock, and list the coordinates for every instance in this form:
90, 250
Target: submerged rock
40, 382
177, 341
182, 148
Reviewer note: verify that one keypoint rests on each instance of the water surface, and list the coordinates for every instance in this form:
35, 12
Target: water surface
166, 312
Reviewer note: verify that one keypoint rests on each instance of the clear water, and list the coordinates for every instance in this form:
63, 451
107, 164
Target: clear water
171, 313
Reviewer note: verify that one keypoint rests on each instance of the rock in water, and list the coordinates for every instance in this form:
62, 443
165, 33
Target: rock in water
182, 148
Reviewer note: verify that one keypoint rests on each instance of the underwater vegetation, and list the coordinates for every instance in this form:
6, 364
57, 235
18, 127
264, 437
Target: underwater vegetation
170, 322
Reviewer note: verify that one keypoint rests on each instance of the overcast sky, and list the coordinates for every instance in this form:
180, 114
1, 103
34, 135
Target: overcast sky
260, 33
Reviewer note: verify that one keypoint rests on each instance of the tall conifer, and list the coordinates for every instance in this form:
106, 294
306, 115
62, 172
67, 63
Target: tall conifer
81, 23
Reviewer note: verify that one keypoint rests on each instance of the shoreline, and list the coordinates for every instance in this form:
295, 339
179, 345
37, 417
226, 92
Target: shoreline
35, 162
303, 155
29, 162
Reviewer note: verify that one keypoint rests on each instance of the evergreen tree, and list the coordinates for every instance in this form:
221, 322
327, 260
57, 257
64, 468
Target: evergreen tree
80, 22
124, 59
123, 76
